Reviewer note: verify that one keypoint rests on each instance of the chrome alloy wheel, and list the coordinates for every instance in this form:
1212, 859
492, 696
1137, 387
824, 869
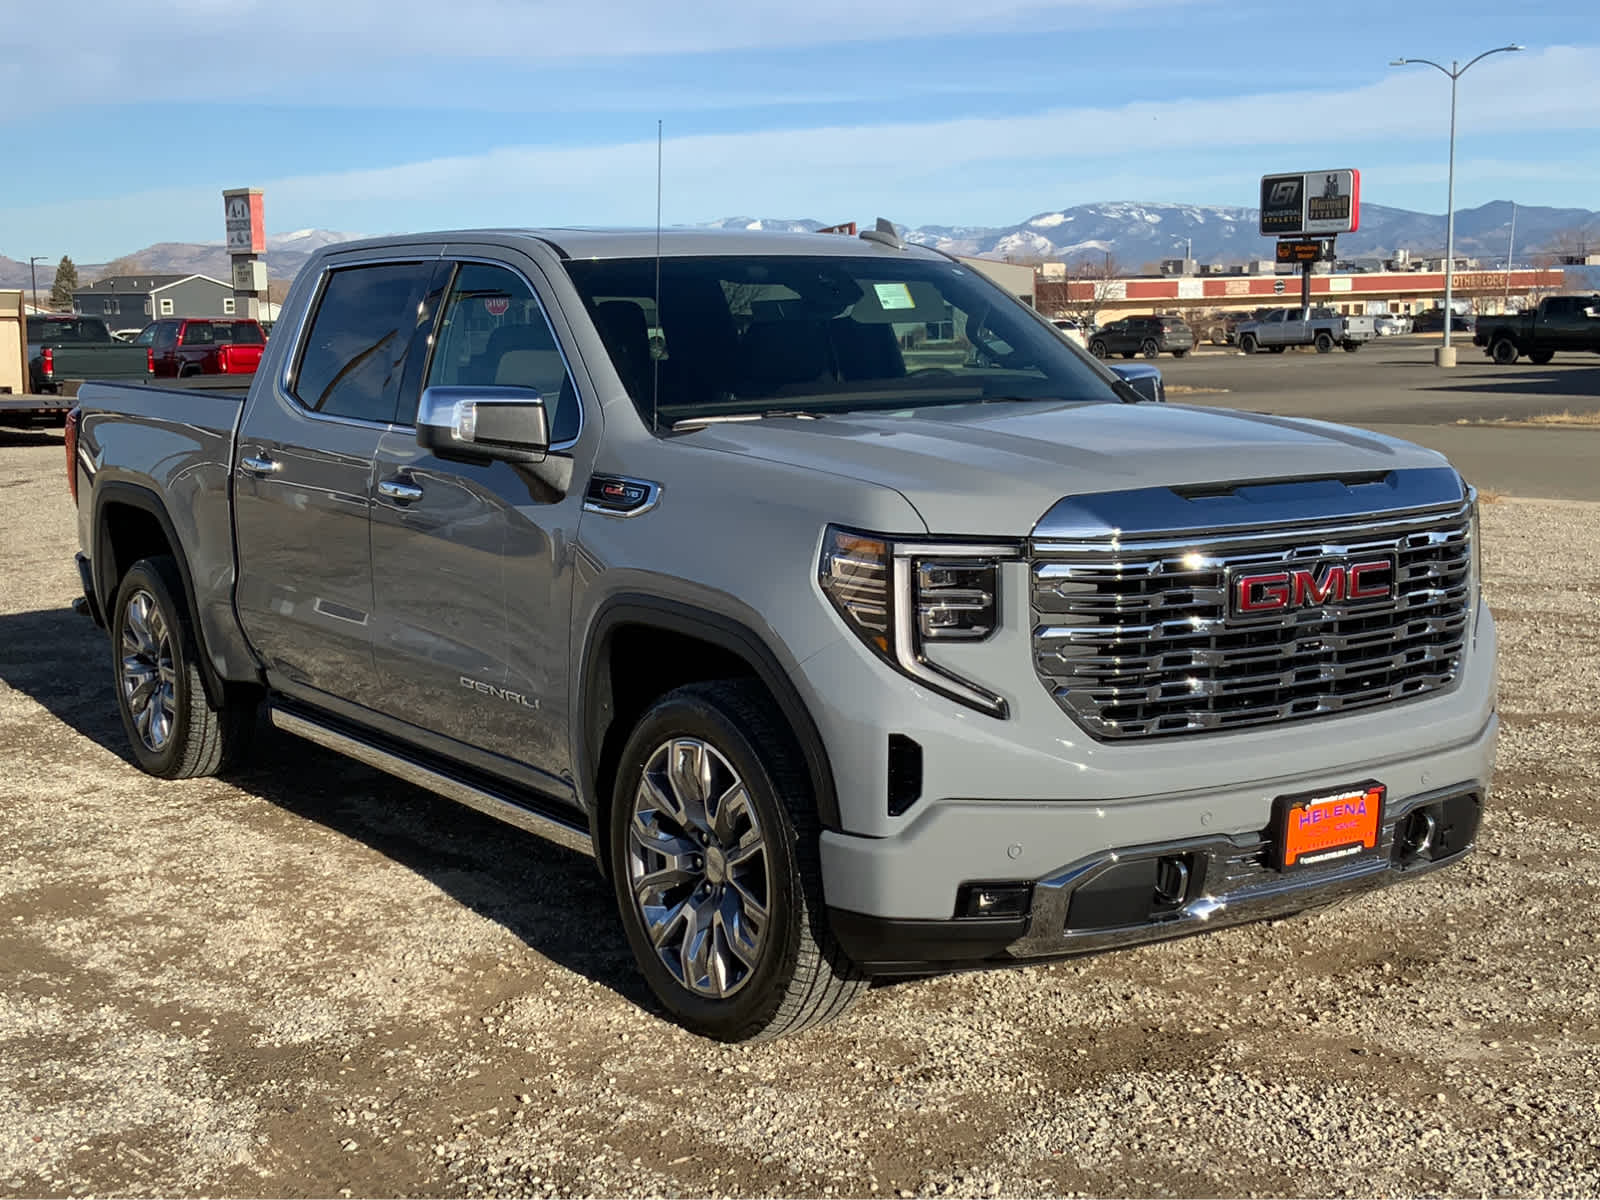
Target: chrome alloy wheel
147, 675
698, 867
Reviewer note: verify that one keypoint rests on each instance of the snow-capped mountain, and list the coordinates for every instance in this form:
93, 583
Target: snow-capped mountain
1136, 234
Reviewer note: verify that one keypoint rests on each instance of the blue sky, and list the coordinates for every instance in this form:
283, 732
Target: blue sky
375, 116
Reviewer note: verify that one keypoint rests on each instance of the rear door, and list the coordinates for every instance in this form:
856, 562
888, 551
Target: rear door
472, 562
303, 480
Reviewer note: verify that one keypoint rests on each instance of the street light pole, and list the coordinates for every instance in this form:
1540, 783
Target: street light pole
33, 275
1447, 358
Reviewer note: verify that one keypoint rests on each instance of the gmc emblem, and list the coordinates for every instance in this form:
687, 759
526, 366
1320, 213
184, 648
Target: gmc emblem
1256, 592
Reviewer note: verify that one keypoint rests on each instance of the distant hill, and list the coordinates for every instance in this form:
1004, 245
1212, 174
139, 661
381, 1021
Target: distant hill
1134, 233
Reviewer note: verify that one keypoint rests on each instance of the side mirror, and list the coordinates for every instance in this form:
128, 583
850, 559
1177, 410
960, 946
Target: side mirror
1144, 379
482, 424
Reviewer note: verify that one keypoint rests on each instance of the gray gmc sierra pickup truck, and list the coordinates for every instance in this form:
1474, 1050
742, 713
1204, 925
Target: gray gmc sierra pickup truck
855, 623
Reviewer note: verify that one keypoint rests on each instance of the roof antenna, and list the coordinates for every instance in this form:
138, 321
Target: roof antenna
655, 356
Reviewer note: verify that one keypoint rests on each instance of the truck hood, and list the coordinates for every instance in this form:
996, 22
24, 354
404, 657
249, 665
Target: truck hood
994, 469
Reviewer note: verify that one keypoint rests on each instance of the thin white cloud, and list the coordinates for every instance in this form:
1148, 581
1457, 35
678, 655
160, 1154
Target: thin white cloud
403, 52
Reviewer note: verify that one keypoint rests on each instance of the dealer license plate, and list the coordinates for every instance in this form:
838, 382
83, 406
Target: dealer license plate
1328, 827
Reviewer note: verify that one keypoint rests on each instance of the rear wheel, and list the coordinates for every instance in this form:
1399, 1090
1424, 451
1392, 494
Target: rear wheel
714, 856
173, 730
1350, 347
1539, 357
1180, 354
1504, 351
1324, 343
1277, 349
1150, 349
1247, 343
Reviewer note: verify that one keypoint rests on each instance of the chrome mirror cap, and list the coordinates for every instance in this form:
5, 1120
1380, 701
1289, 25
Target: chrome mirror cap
481, 424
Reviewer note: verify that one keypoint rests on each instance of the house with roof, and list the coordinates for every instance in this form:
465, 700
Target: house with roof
133, 301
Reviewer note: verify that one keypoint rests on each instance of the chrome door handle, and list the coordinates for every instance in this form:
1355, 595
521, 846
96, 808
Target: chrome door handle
396, 489
260, 465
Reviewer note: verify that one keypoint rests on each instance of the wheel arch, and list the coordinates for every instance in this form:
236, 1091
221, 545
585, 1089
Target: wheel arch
694, 643
130, 522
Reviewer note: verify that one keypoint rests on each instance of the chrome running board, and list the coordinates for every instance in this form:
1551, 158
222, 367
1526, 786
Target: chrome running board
562, 833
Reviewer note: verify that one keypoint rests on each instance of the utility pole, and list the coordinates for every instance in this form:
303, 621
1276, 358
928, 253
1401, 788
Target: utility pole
33, 274
1511, 245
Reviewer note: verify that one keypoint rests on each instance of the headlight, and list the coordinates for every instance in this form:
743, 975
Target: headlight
898, 596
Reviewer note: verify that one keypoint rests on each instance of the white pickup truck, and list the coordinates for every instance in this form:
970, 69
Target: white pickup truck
1325, 329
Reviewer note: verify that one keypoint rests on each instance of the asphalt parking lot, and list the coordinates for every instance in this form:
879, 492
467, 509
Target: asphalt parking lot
1393, 387
309, 980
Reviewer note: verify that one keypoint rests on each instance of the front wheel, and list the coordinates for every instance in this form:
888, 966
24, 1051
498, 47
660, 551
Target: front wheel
1247, 344
1097, 348
714, 856
1504, 351
1539, 357
173, 730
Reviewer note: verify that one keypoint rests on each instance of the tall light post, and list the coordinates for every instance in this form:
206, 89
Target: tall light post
1447, 356
33, 275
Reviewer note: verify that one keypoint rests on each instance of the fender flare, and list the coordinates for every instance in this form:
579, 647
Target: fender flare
635, 608
147, 501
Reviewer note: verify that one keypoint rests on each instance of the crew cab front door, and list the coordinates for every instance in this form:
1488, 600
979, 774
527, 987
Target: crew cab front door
472, 560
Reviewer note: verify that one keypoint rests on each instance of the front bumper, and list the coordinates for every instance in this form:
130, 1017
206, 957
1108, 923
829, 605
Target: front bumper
1114, 898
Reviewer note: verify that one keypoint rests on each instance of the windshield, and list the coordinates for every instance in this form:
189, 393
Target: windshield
751, 334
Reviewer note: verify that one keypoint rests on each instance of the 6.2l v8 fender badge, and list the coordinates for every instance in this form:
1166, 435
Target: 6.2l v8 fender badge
488, 689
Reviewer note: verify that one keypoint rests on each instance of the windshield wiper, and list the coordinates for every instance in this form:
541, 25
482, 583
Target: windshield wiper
725, 418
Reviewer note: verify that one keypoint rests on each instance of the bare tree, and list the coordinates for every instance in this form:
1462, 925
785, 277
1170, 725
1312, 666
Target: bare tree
1569, 245
128, 264
1085, 289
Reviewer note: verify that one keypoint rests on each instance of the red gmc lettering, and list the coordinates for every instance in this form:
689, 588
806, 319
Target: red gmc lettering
1274, 593
1369, 591
1308, 591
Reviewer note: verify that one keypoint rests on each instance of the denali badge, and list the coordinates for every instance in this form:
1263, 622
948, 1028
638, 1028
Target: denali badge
1257, 591
488, 689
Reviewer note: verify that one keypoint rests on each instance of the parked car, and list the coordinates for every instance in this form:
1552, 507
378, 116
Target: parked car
839, 670
1074, 331
1432, 321
66, 349
1323, 329
1391, 324
1568, 324
184, 346
1149, 336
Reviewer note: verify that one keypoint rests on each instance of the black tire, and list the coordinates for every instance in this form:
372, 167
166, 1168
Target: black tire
1248, 344
1150, 348
1539, 357
1097, 348
1180, 354
1350, 347
1127, 354
182, 737
799, 977
1324, 342
1504, 351
1276, 349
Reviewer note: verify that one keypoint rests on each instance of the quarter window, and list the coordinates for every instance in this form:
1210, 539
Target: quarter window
355, 349
495, 334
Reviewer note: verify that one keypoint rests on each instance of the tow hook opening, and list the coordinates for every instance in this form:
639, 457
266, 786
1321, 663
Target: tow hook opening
1172, 880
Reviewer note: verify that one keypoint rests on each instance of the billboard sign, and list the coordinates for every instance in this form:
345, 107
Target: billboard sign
1319, 203
247, 231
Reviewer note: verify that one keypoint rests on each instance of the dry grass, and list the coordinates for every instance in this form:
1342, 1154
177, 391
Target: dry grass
1566, 417
1186, 389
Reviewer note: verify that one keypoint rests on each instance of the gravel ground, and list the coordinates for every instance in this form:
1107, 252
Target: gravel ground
311, 980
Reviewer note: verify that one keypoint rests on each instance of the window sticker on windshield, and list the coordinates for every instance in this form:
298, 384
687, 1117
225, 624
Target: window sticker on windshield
894, 295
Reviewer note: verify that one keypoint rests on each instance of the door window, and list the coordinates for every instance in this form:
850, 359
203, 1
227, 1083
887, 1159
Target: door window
494, 334
354, 351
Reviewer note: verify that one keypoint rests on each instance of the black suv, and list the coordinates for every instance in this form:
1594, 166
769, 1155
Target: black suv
1149, 336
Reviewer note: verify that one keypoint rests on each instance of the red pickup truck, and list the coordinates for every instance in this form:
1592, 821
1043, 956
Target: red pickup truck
184, 346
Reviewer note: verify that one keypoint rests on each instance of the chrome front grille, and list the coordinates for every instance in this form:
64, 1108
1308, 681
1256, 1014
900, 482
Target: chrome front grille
1134, 639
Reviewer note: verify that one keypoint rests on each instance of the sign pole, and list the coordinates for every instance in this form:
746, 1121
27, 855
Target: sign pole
1305, 291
